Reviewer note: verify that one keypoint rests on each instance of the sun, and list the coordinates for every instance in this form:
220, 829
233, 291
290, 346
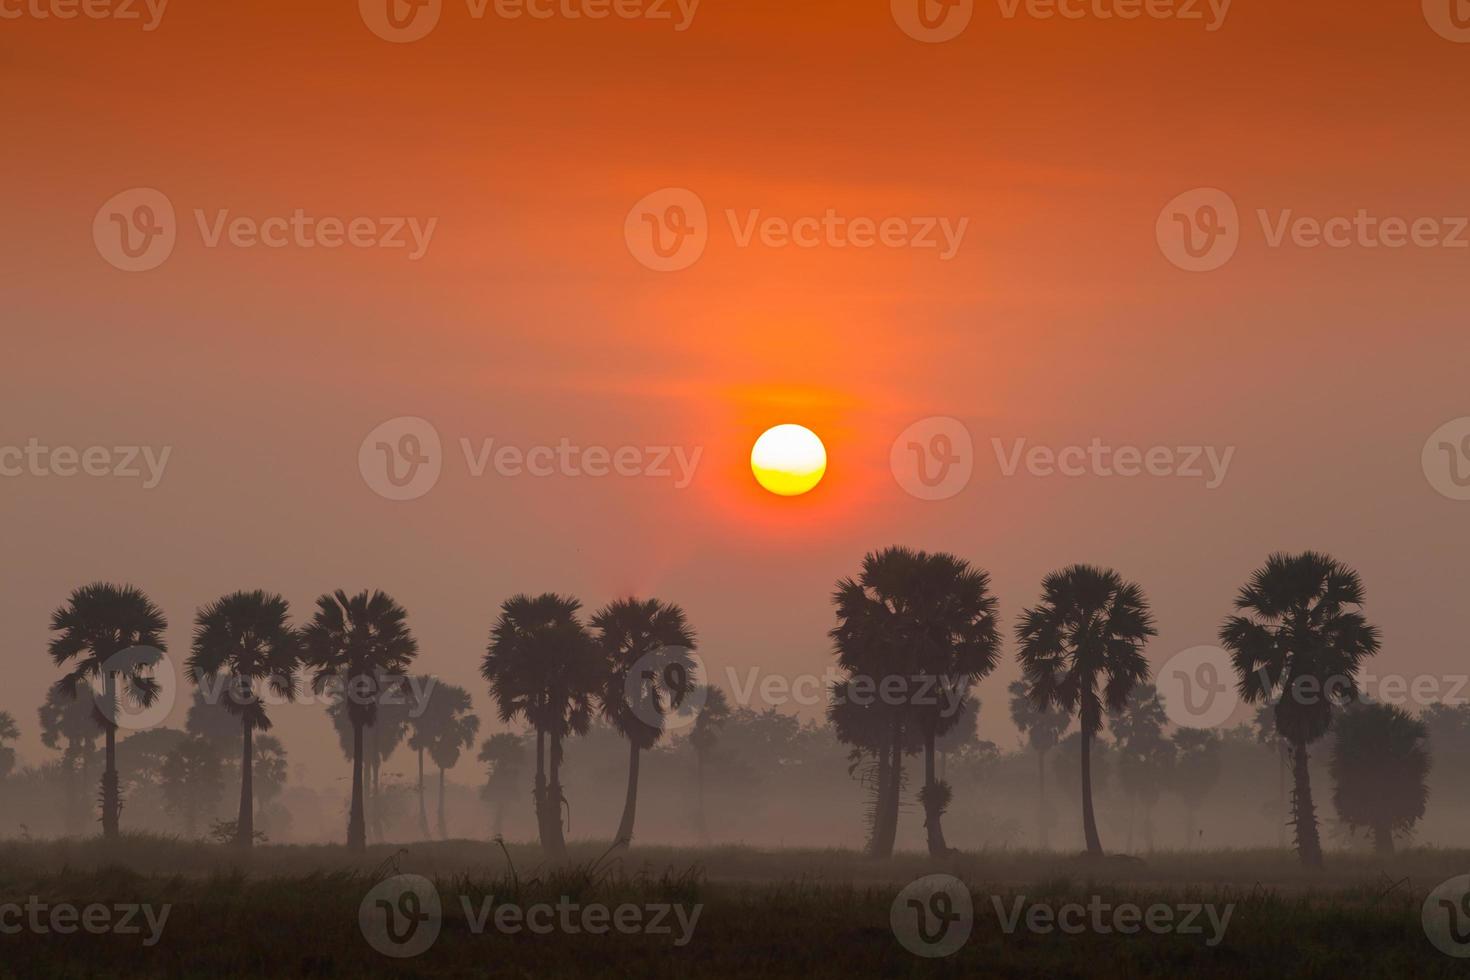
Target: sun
788, 460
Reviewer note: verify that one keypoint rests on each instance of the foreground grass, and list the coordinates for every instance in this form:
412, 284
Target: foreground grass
294, 911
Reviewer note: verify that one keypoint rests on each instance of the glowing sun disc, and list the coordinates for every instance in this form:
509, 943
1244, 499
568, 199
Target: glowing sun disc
788, 460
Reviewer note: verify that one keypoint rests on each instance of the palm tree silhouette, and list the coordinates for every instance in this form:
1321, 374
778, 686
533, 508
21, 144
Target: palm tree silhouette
653, 638
73, 720
451, 729
9, 732
504, 756
1380, 771
1197, 766
929, 620
1301, 643
1081, 652
1043, 729
1145, 758
363, 643
713, 713
97, 623
380, 739
543, 666
247, 637
192, 781
420, 725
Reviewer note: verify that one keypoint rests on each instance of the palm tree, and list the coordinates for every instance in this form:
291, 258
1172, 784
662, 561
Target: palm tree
97, 623
192, 781
248, 638
362, 642
1043, 730
452, 730
1380, 771
9, 732
1197, 765
504, 756
928, 619
1145, 756
421, 734
75, 722
1081, 652
714, 712
655, 639
543, 666
1302, 636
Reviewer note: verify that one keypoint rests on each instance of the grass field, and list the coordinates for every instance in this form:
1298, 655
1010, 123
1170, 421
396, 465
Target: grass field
295, 911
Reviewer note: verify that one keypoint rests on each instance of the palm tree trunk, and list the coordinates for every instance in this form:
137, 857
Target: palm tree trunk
1303, 813
1132, 814
1383, 839
1281, 792
499, 826
423, 810
356, 825
374, 811
1043, 819
932, 807
630, 804
1089, 819
538, 794
555, 796
443, 826
111, 791
245, 827
885, 830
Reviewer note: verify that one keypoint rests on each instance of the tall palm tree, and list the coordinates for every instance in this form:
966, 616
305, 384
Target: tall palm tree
1043, 729
1301, 635
75, 722
363, 643
97, 623
542, 665
1380, 771
655, 639
248, 638
1082, 653
929, 620
714, 712
504, 755
420, 735
453, 730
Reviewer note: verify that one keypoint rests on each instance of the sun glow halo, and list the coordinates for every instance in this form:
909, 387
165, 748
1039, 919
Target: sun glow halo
788, 460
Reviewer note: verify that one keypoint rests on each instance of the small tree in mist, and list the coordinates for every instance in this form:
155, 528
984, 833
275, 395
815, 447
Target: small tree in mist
1042, 730
1380, 771
1144, 757
1197, 766
192, 781
649, 672
420, 735
714, 713
9, 732
1300, 641
504, 756
452, 729
96, 625
73, 721
245, 645
363, 643
1082, 653
542, 666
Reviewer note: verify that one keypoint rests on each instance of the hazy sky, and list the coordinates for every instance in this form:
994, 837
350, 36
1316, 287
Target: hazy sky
530, 315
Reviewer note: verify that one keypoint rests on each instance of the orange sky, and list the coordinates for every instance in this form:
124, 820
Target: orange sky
528, 320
